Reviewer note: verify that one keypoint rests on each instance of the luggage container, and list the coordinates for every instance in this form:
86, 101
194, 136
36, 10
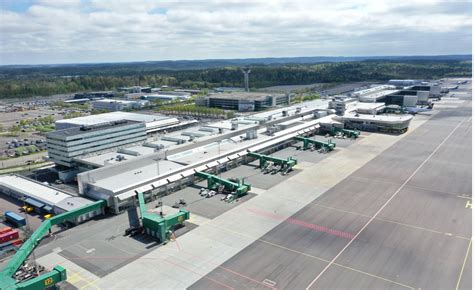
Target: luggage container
5, 230
6, 237
17, 242
15, 219
9, 244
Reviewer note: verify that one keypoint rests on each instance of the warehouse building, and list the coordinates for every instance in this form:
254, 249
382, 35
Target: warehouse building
66, 144
244, 101
118, 105
44, 199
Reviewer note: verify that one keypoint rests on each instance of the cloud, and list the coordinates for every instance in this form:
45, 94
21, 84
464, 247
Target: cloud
50, 31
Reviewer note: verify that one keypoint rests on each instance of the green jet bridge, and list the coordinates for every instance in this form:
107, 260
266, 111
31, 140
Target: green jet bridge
159, 226
237, 189
346, 132
58, 274
309, 143
266, 161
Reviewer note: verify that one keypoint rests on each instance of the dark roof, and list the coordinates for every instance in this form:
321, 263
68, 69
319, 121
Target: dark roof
34, 203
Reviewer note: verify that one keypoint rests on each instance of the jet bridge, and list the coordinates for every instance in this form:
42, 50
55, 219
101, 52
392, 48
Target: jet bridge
315, 144
237, 188
345, 132
274, 164
58, 274
157, 225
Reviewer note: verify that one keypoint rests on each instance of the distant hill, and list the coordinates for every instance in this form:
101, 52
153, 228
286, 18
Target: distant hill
215, 63
45, 80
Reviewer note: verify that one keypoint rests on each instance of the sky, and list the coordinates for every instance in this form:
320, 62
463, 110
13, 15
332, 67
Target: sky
85, 31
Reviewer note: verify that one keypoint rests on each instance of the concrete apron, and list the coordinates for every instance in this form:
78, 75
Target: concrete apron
181, 263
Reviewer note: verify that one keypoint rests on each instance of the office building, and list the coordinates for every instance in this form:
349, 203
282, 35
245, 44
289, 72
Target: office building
244, 101
67, 144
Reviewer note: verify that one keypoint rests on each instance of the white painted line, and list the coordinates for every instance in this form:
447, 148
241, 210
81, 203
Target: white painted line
57, 250
384, 205
90, 250
269, 283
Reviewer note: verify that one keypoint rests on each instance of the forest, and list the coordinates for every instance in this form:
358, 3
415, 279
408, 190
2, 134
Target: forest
18, 82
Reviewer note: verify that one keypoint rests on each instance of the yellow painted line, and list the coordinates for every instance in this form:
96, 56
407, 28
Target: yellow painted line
73, 279
389, 221
75, 273
91, 283
463, 264
313, 257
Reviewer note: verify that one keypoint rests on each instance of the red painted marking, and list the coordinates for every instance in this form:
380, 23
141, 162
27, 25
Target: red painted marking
176, 241
298, 222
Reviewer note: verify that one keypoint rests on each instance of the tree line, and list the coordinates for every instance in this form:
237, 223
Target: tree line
37, 83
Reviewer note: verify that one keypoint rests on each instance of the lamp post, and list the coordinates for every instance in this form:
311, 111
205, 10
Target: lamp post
219, 154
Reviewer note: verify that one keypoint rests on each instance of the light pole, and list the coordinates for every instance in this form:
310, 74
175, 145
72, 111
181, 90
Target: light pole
157, 165
219, 154
157, 161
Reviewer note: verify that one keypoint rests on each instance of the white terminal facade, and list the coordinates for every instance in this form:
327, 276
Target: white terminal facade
160, 164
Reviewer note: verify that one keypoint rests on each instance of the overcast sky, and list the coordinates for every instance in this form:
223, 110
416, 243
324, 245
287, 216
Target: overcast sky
77, 31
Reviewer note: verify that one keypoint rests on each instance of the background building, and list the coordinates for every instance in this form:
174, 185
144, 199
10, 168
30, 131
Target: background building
94, 95
375, 94
403, 83
243, 101
410, 96
118, 105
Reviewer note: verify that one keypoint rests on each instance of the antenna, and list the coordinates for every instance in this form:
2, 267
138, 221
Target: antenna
246, 72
